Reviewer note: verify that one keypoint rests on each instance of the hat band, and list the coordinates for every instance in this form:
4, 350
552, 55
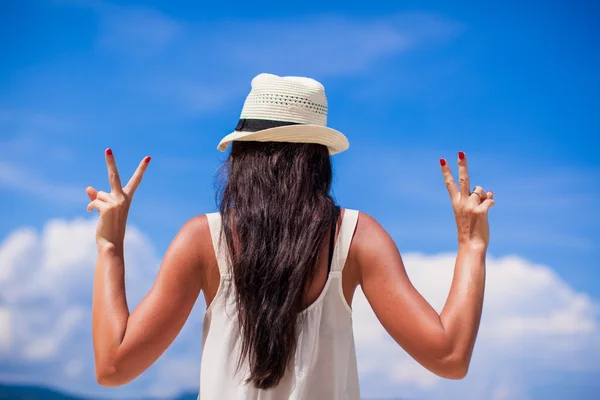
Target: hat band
255, 125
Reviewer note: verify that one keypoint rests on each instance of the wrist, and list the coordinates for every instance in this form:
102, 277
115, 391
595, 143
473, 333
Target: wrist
109, 248
473, 247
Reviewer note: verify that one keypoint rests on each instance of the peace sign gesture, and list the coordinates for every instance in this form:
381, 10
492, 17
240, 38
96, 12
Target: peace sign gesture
114, 206
470, 208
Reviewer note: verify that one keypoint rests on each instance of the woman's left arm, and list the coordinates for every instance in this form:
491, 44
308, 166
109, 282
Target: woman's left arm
125, 344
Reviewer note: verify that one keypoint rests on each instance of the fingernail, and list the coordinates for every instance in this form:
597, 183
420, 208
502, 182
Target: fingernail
109, 152
442, 162
461, 155
148, 159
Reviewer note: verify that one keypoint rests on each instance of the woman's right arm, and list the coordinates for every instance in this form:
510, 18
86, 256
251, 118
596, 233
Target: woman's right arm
442, 343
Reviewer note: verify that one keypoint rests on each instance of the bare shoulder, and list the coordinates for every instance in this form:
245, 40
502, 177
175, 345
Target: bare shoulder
370, 236
192, 231
372, 248
367, 225
196, 225
191, 242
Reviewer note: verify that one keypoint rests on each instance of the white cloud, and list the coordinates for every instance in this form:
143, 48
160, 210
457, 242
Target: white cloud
6, 325
74, 368
45, 309
47, 345
41, 348
408, 371
174, 374
533, 321
15, 252
508, 392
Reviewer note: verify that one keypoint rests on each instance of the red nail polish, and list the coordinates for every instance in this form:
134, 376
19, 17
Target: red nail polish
461, 155
148, 159
109, 152
442, 162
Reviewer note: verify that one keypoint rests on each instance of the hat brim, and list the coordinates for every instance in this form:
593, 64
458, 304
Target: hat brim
335, 141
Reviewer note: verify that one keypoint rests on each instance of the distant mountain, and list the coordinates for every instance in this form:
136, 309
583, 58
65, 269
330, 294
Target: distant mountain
24, 392
13, 392
188, 396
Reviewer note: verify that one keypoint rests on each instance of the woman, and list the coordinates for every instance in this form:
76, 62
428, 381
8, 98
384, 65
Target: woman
279, 265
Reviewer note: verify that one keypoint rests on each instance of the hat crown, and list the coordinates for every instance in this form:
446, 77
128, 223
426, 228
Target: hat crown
289, 98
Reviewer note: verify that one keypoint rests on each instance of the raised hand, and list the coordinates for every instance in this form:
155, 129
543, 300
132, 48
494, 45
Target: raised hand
470, 208
114, 206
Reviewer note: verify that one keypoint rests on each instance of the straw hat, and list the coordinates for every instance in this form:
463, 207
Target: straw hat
286, 109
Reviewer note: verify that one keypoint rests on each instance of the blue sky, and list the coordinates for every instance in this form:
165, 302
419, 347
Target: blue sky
514, 85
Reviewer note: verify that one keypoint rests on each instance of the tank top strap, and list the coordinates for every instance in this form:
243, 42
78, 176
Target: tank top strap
344, 239
219, 243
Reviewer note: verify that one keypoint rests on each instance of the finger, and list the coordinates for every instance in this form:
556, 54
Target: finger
103, 196
137, 176
490, 195
449, 179
478, 195
463, 175
98, 205
475, 199
113, 172
91, 192
485, 206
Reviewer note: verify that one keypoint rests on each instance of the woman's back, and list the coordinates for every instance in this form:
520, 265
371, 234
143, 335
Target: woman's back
323, 365
278, 324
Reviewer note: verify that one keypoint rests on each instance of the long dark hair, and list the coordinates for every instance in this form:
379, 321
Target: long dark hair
276, 209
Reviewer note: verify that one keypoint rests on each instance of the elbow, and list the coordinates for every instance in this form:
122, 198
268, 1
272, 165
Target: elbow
107, 376
454, 366
456, 372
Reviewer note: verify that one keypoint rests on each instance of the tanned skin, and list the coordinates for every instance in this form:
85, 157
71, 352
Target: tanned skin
126, 344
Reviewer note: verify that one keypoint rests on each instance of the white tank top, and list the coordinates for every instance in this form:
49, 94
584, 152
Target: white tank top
324, 363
